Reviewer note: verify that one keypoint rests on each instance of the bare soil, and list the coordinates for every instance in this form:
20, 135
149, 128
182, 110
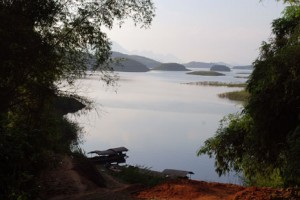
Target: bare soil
200, 190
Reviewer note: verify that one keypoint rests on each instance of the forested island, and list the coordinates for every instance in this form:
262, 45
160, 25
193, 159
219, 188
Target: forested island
128, 65
148, 62
170, 67
221, 68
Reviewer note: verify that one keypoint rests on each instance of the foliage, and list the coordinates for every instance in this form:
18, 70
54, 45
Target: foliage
273, 179
292, 2
43, 45
263, 141
29, 145
292, 171
230, 143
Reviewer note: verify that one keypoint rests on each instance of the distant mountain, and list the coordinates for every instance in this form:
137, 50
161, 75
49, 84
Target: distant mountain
116, 54
170, 67
150, 63
245, 67
122, 62
221, 68
148, 54
223, 63
129, 65
117, 47
164, 58
195, 64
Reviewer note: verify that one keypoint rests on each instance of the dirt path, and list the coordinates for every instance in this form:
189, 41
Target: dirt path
115, 189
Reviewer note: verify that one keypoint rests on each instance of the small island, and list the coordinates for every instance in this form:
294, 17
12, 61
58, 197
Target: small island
221, 68
206, 73
171, 67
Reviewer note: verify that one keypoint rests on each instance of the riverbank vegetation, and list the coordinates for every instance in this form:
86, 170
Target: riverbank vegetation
241, 95
263, 141
218, 84
245, 77
206, 73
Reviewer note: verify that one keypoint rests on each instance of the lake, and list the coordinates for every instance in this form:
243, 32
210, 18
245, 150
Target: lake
161, 121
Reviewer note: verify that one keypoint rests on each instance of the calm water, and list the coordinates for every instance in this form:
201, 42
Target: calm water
160, 120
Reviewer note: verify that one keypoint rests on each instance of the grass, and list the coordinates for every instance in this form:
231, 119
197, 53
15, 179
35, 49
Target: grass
242, 95
137, 174
220, 84
206, 73
245, 77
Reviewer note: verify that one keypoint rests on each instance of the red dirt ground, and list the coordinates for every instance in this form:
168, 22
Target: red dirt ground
199, 190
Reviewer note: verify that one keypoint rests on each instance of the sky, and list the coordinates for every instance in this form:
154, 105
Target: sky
228, 31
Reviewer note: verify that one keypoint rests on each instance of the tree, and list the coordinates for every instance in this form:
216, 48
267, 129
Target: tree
264, 139
62, 30
45, 43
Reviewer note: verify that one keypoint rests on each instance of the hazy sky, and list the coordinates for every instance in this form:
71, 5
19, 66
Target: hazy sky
203, 30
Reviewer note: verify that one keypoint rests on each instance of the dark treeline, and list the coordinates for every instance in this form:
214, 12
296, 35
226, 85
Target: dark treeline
44, 44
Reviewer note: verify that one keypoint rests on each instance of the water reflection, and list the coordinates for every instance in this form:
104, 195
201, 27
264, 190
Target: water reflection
161, 121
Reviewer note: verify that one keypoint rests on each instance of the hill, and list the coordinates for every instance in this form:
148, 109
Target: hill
222, 68
129, 65
149, 63
195, 64
122, 62
170, 67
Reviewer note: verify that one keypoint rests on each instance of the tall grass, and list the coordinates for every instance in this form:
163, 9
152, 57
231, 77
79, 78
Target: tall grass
139, 175
206, 73
242, 95
219, 84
